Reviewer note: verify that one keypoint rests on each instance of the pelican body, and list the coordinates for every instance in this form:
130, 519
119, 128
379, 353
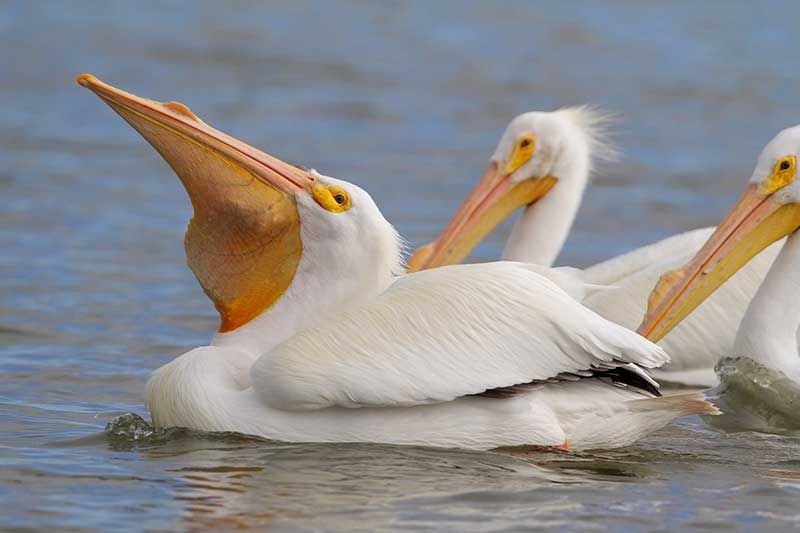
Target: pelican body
541, 166
323, 339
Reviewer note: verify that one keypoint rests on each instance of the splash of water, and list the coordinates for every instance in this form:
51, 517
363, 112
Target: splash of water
130, 426
757, 395
131, 430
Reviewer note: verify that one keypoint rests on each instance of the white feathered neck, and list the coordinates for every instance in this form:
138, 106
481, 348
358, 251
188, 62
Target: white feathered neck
768, 332
347, 259
580, 138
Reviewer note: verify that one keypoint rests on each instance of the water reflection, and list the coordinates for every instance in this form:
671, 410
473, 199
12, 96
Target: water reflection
227, 480
243, 483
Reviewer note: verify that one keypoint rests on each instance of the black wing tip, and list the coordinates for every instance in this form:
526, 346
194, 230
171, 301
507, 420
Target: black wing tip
620, 376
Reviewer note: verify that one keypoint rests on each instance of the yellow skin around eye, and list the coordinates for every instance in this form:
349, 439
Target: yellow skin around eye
522, 154
778, 178
325, 196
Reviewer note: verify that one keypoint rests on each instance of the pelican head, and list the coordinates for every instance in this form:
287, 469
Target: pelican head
768, 210
536, 151
258, 221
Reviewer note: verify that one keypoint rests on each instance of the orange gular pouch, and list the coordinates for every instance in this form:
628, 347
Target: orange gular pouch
243, 242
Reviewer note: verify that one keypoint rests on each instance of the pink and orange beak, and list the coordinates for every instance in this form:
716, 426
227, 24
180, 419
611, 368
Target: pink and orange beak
755, 221
243, 242
491, 201
163, 123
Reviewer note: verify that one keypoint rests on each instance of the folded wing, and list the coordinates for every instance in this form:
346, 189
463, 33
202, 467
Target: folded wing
440, 334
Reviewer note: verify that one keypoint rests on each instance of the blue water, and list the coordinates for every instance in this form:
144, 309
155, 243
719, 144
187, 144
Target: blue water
406, 99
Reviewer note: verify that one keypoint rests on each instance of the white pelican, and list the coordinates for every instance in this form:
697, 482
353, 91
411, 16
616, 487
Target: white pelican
321, 341
542, 164
767, 212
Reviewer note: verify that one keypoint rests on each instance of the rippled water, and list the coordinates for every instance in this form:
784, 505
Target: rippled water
406, 99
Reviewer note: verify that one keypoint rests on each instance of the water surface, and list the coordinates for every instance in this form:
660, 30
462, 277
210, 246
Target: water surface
407, 100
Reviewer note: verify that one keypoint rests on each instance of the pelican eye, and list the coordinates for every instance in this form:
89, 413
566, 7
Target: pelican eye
783, 173
523, 151
331, 198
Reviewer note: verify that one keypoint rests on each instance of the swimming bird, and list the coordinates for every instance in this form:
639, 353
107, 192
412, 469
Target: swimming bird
542, 165
321, 339
768, 211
